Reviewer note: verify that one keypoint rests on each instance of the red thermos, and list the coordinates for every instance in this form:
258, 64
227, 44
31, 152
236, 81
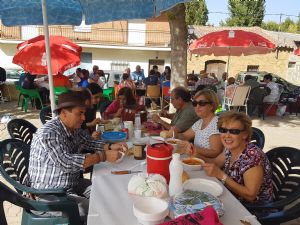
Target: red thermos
159, 157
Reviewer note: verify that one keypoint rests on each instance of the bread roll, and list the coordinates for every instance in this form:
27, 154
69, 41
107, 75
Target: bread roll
165, 134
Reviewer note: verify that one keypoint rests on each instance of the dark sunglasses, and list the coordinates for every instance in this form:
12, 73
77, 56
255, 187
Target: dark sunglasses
231, 131
200, 103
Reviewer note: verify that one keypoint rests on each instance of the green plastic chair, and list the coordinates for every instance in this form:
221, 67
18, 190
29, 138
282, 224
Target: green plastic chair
108, 93
14, 160
58, 91
29, 95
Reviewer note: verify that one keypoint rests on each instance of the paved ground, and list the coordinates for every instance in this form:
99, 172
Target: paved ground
278, 132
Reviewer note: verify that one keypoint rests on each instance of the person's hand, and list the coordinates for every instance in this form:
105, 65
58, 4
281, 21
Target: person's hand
96, 121
185, 147
96, 135
119, 112
112, 156
212, 170
156, 118
120, 147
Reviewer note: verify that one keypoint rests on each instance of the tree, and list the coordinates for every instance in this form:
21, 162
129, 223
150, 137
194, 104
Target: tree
270, 25
196, 12
246, 12
298, 24
178, 30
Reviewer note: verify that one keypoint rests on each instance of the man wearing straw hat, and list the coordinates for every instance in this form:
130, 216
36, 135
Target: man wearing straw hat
55, 154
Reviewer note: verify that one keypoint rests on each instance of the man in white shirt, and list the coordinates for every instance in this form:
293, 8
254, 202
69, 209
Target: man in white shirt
274, 95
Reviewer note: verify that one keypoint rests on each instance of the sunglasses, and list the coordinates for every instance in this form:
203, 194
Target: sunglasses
231, 131
200, 103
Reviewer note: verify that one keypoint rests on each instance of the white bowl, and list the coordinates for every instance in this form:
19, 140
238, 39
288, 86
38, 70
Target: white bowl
150, 210
173, 142
190, 166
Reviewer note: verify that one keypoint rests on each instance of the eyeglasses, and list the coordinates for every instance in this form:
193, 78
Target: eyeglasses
200, 103
231, 131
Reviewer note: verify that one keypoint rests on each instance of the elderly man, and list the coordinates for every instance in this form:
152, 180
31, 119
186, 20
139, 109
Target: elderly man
185, 115
55, 154
205, 80
138, 74
93, 73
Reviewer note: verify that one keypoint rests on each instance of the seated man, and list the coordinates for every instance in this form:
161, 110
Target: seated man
55, 154
206, 80
274, 95
138, 75
185, 115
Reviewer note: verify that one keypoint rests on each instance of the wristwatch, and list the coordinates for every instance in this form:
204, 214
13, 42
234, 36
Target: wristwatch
224, 178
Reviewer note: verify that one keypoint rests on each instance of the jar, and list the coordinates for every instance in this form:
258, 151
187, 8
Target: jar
139, 151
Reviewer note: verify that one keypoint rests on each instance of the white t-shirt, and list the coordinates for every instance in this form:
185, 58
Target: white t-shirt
202, 136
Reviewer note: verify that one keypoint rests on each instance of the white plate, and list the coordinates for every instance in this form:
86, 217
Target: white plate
204, 185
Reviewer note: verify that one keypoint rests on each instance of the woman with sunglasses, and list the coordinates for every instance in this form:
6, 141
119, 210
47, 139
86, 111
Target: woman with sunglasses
205, 133
246, 169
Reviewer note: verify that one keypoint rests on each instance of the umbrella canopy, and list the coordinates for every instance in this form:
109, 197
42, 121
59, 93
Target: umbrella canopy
297, 52
231, 42
70, 12
31, 55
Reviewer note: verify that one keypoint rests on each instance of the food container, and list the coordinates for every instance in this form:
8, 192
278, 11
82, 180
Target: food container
192, 163
150, 210
159, 156
174, 143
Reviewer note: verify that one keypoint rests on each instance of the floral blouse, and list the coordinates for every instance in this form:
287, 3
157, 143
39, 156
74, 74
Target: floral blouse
252, 156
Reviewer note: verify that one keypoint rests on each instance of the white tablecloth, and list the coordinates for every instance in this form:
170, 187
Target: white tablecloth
110, 204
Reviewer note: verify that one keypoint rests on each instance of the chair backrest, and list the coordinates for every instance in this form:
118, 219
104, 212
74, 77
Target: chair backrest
240, 96
21, 129
285, 162
45, 114
258, 137
153, 91
14, 161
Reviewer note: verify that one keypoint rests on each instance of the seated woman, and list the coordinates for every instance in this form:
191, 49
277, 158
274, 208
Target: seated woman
125, 106
230, 87
246, 169
127, 82
207, 142
82, 79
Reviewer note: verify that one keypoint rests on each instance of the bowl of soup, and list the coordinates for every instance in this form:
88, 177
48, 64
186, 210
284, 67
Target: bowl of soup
192, 163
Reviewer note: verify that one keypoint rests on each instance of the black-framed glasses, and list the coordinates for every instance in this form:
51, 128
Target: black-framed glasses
200, 103
231, 131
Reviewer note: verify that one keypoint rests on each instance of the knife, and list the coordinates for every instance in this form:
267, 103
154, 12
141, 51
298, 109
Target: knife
120, 172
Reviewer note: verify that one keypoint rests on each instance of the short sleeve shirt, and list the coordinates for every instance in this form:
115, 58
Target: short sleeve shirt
202, 135
251, 157
185, 118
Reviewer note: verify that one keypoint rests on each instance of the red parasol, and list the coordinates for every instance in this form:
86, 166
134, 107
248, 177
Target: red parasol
31, 55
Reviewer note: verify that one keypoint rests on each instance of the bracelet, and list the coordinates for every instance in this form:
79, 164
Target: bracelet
224, 178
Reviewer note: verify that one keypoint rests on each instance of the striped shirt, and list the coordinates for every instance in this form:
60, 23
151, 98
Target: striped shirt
55, 155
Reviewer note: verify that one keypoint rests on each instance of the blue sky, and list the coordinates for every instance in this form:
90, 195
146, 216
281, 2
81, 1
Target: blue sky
288, 7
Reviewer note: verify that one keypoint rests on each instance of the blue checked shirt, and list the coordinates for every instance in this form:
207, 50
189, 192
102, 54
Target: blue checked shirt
55, 155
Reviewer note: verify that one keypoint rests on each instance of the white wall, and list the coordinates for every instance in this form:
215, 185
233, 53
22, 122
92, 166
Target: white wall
101, 57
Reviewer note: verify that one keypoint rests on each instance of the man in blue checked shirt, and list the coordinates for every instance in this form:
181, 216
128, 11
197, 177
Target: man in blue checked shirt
55, 153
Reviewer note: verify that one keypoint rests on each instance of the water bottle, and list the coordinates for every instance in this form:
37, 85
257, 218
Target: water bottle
137, 121
176, 170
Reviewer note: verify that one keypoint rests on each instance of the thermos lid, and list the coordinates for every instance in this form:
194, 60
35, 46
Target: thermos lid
160, 150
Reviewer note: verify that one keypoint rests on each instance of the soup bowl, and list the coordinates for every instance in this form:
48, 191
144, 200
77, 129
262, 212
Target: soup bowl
192, 163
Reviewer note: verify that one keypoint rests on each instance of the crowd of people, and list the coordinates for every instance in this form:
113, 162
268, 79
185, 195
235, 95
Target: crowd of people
69, 143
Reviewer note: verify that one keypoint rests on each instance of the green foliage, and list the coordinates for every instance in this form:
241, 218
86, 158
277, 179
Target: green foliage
196, 12
246, 12
286, 26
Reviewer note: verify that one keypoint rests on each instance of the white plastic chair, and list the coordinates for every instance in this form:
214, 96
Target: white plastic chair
239, 98
153, 92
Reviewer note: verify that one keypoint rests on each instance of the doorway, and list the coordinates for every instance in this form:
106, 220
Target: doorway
215, 66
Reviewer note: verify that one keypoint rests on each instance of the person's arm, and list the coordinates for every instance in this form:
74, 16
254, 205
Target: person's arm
215, 149
186, 136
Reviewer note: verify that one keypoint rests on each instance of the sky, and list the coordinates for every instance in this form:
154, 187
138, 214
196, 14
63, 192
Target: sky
288, 7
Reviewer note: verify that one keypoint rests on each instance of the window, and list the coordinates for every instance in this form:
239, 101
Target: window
292, 65
252, 68
119, 66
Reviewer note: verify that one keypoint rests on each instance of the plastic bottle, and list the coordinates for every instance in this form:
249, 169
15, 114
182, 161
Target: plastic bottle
137, 121
176, 170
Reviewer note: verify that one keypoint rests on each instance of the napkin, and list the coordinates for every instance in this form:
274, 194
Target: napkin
207, 216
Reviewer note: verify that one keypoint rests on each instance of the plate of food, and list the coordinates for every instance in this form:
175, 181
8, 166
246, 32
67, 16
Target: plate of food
203, 185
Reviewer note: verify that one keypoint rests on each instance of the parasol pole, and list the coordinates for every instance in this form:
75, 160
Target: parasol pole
225, 83
48, 53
